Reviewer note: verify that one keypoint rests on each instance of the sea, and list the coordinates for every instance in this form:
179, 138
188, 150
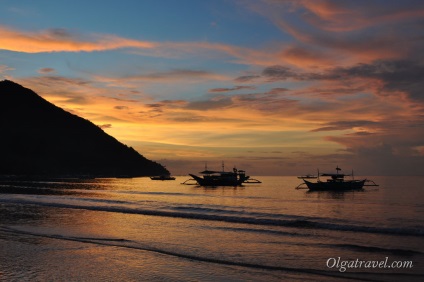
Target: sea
137, 229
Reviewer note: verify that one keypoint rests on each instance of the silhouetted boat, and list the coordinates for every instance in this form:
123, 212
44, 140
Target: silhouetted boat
222, 178
336, 182
162, 177
307, 176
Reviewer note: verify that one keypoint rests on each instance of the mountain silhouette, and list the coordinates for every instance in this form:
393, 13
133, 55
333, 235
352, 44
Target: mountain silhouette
38, 138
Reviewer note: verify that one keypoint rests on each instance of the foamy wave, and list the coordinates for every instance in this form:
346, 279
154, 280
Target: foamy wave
224, 215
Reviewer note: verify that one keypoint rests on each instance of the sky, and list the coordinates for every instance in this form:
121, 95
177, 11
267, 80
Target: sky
272, 87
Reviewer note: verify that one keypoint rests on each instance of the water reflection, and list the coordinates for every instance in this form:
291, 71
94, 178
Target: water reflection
17, 214
337, 195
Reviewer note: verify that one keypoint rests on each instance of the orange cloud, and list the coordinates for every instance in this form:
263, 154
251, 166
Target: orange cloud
341, 17
346, 32
60, 40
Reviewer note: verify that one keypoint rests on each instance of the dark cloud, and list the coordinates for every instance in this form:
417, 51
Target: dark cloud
215, 103
54, 80
395, 76
342, 125
175, 74
268, 103
264, 102
246, 78
121, 107
279, 73
235, 88
157, 105
122, 99
60, 33
400, 75
278, 90
160, 105
360, 133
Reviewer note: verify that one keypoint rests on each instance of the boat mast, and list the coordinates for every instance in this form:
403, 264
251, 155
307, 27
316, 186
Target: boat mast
337, 170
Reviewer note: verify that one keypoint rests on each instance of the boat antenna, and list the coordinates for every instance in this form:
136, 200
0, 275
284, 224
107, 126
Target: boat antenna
206, 165
353, 178
222, 165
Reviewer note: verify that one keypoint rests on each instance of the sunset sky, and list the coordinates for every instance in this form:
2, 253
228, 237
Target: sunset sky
273, 87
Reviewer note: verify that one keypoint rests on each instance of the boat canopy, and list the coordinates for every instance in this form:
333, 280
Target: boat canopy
214, 171
335, 174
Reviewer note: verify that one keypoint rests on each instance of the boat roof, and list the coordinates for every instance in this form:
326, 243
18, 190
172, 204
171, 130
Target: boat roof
215, 171
334, 174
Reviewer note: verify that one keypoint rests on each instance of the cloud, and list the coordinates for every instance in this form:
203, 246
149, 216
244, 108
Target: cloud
105, 126
63, 89
170, 76
278, 90
331, 15
62, 40
343, 125
399, 78
215, 103
328, 33
235, 88
396, 76
247, 78
178, 74
274, 73
157, 105
123, 99
4, 69
46, 71
305, 56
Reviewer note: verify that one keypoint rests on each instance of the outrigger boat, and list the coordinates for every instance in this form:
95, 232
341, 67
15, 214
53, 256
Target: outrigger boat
222, 178
307, 176
336, 182
162, 177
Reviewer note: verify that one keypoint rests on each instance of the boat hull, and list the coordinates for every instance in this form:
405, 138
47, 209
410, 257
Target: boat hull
335, 185
162, 178
218, 181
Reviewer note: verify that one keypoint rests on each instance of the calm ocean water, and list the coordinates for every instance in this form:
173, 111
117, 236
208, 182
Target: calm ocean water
143, 230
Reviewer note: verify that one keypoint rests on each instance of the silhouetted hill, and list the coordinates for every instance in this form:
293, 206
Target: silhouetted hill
38, 138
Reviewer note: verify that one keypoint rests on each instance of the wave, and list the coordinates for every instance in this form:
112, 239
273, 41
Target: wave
119, 242
356, 228
400, 252
223, 216
130, 244
226, 210
358, 248
178, 194
63, 187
